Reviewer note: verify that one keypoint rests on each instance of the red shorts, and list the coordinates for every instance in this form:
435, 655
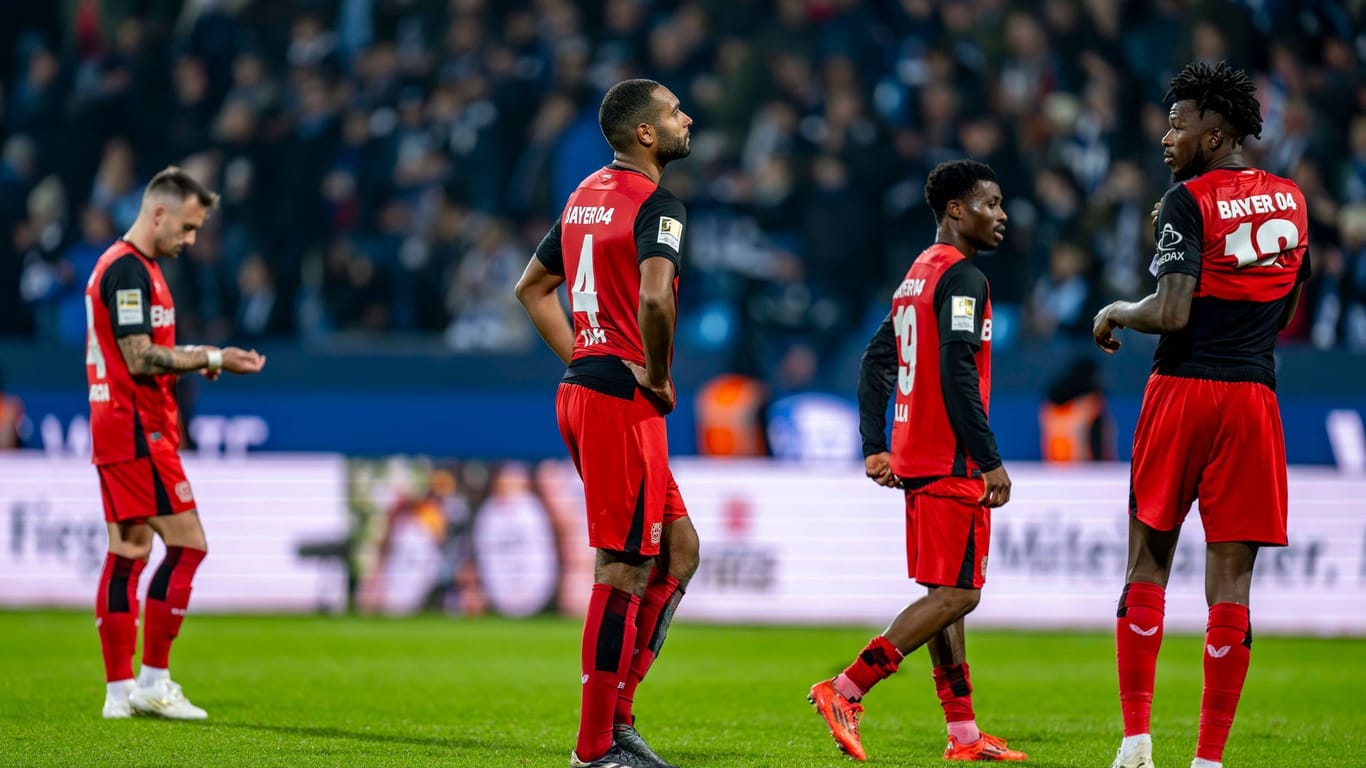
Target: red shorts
1218, 442
621, 449
147, 487
948, 533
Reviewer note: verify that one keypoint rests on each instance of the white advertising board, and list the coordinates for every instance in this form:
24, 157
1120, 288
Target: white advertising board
261, 516
820, 543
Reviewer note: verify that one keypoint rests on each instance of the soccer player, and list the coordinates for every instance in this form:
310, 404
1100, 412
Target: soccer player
1231, 260
618, 244
131, 362
934, 350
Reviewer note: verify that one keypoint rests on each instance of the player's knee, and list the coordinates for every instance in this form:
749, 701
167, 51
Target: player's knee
960, 602
131, 550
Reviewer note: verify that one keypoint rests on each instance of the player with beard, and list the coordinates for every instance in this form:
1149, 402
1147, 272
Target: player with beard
1232, 257
934, 352
618, 244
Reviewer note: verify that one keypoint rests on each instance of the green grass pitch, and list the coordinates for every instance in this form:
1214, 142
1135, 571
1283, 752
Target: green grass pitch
319, 691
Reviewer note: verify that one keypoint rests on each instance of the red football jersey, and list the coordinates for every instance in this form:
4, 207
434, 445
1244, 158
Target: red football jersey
130, 416
1244, 234
943, 299
613, 221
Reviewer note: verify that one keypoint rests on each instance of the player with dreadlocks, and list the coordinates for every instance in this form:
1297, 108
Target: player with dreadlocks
1231, 258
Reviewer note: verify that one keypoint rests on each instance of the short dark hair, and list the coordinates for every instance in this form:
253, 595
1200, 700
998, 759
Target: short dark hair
1222, 89
175, 182
954, 180
626, 105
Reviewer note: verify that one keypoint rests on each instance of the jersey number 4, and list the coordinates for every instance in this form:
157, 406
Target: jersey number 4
93, 354
584, 295
1273, 238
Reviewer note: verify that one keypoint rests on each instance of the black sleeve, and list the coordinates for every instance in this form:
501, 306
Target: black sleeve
960, 300
126, 290
1302, 276
876, 381
549, 253
1179, 233
659, 227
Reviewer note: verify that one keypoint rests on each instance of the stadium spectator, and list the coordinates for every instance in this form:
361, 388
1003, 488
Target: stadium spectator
323, 122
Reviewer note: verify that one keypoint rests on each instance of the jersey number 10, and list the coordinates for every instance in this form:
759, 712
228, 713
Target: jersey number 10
1274, 237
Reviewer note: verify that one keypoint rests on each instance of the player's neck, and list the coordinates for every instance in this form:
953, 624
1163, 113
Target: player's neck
950, 238
1231, 160
648, 168
145, 243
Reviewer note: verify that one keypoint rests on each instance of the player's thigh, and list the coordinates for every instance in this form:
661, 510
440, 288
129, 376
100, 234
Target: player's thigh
1172, 441
1243, 491
623, 461
951, 532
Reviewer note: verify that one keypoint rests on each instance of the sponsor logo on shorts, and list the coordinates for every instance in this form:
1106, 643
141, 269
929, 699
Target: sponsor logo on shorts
182, 490
984, 566
583, 680
656, 533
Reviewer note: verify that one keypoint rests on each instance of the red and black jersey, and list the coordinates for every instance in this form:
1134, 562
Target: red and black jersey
613, 221
130, 416
934, 351
1244, 234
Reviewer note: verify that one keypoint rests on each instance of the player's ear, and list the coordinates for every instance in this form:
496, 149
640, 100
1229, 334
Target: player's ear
1216, 138
645, 134
954, 210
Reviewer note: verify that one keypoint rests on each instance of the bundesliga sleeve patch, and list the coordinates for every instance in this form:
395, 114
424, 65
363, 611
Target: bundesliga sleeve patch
129, 305
670, 232
964, 312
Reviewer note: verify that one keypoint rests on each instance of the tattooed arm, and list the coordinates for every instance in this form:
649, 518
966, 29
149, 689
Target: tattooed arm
145, 358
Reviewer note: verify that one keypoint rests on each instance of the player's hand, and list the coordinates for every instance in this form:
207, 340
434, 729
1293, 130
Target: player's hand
1103, 328
997, 490
664, 393
1157, 208
242, 361
878, 467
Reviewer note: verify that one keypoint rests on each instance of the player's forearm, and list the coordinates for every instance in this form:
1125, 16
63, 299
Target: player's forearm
656, 320
1167, 310
876, 381
551, 323
147, 359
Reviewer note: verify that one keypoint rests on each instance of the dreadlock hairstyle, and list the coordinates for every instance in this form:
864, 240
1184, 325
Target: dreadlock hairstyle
1221, 89
954, 180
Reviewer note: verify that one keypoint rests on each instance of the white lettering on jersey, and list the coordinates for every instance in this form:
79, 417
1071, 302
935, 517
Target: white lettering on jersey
589, 214
162, 317
986, 329
128, 305
1247, 206
670, 232
963, 313
99, 393
911, 286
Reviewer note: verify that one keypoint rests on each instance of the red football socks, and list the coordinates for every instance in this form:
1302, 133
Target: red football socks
954, 687
1138, 636
877, 661
652, 626
168, 596
1228, 649
609, 639
116, 615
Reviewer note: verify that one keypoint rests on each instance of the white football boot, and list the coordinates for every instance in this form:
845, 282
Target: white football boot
1135, 752
116, 706
164, 699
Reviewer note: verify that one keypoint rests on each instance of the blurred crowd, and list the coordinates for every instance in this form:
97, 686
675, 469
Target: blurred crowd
387, 166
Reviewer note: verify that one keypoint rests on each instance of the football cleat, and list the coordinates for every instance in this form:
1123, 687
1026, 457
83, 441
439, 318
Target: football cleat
1138, 755
841, 715
628, 738
616, 757
164, 699
117, 707
986, 748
